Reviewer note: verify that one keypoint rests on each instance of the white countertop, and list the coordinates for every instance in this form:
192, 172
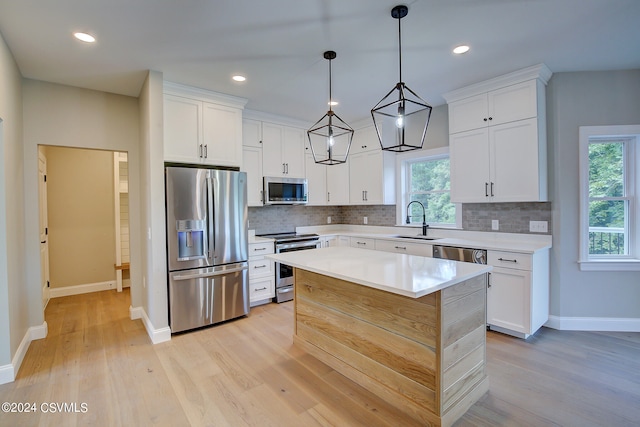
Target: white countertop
524, 243
409, 275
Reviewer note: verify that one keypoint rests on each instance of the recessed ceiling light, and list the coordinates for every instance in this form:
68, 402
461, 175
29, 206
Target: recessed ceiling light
239, 78
87, 38
459, 50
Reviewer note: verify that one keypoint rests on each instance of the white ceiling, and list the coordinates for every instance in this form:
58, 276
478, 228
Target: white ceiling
278, 45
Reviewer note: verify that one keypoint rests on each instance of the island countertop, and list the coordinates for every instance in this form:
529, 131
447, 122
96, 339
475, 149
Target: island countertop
408, 275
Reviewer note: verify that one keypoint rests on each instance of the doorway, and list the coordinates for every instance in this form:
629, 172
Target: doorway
84, 220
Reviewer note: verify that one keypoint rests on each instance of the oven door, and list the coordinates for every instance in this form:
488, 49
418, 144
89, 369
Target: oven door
284, 272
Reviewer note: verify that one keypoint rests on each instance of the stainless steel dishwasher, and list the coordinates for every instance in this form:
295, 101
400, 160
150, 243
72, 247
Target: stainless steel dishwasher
476, 256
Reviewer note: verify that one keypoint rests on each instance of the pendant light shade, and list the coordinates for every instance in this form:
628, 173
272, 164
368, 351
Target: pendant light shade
401, 117
330, 137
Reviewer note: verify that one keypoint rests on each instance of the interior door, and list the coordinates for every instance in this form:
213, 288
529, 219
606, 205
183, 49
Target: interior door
44, 225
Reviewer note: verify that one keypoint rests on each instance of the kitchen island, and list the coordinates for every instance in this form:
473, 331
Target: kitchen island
407, 328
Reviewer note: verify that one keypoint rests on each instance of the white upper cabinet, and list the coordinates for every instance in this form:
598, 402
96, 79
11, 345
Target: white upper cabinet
372, 172
283, 151
202, 127
328, 185
252, 160
365, 139
508, 104
497, 139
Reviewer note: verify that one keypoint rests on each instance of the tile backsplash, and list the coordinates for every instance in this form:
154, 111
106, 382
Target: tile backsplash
512, 217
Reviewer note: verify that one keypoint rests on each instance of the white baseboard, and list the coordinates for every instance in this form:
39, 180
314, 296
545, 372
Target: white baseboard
608, 324
81, 289
8, 372
157, 335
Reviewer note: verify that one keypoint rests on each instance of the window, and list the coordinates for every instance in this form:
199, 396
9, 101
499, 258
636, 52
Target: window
426, 179
609, 205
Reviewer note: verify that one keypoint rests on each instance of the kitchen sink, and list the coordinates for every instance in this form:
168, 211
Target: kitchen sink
416, 236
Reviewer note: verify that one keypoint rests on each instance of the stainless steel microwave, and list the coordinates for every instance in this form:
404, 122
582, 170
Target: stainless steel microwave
285, 191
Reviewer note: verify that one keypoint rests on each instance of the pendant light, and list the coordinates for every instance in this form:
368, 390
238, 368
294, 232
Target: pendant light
401, 117
330, 137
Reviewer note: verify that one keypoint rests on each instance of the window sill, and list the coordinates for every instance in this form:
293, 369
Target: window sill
610, 265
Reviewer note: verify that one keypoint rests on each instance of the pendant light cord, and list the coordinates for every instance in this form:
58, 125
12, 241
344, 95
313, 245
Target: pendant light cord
330, 97
400, 49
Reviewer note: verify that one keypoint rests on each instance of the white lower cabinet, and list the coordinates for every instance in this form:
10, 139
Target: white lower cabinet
362, 243
262, 282
402, 247
329, 241
518, 292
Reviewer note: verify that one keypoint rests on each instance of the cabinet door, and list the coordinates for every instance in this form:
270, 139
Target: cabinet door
508, 299
317, 180
222, 135
357, 177
364, 139
182, 127
469, 113
514, 162
252, 133
511, 103
272, 137
338, 184
469, 153
293, 152
252, 165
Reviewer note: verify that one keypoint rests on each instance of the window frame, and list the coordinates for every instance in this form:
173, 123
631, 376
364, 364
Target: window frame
403, 162
631, 136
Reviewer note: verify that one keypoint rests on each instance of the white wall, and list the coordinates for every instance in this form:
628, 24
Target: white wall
573, 100
67, 116
152, 231
15, 298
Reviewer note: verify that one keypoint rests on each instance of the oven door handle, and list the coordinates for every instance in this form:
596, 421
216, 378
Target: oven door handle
312, 245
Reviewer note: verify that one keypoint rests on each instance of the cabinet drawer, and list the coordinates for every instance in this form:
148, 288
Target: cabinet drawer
260, 267
258, 249
403, 247
261, 289
515, 260
363, 243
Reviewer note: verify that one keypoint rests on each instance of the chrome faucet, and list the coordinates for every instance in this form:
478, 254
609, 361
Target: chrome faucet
424, 217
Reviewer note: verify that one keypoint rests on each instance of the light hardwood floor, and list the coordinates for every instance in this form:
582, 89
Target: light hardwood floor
247, 372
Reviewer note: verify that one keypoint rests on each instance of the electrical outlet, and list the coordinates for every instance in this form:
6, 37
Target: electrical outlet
495, 224
538, 226
365, 220
328, 220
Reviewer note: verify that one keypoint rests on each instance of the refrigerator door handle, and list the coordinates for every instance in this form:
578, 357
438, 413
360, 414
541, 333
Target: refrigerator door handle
209, 274
211, 217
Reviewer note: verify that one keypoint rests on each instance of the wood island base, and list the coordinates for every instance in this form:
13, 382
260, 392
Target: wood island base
426, 356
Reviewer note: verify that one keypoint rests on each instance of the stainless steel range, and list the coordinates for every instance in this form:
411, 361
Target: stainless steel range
289, 242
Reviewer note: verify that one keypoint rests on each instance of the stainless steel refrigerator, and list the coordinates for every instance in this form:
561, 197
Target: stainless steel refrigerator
207, 246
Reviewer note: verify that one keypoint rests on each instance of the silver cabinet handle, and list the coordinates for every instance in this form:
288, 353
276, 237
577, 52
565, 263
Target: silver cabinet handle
404, 248
508, 260
261, 289
362, 243
492, 189
259, 249
283, 170
206, 151
200, 151
260, 266
486, 189
328, 196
